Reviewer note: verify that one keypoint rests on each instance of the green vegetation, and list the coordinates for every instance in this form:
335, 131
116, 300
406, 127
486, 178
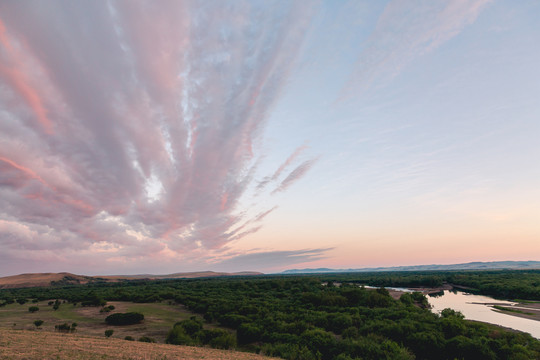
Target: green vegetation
191, 332
502, 308
33, 309
147, 339
65, 327
107, 309
503, 284
305, 317
124, 318
109, 332
38, 323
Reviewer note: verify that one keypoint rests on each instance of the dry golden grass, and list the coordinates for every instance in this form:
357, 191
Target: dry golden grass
45, 279
39, 279
39, 345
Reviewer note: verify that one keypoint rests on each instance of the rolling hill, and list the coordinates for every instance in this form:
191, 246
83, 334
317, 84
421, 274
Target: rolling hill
65, 278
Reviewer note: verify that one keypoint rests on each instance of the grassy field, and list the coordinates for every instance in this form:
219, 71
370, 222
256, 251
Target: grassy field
39, 345
159, 318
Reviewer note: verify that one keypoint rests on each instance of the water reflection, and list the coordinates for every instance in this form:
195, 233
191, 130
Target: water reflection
474, 308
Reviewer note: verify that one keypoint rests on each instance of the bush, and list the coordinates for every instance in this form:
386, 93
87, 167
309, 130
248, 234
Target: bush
129, 338
33, 309
147, 339
38, 323
129, 318
107, 309
109, 332
63, 327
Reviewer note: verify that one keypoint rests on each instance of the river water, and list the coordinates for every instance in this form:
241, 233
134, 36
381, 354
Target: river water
474, 308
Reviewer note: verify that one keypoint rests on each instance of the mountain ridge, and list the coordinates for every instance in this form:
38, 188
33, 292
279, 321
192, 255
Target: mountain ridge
476, 265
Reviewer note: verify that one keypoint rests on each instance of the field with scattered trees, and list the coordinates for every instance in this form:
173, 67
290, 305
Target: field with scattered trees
329, 316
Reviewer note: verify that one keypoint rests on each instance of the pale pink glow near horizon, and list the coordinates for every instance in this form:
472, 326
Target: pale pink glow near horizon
175, 136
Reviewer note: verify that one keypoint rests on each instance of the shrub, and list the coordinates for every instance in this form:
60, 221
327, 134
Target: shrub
109, 332
107, 309
33, 309
63, 327
38, 323
129, 338
147, 339
129, 318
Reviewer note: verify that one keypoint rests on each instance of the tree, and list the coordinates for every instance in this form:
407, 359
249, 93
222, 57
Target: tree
108, 332
38, 323
33, 309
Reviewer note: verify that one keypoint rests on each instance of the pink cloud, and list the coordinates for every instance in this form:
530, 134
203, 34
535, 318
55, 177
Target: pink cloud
295, 175
170, 100
10, 70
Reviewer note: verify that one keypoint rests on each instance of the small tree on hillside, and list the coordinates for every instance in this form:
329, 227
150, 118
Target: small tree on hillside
33, 309
108, 333
38, 323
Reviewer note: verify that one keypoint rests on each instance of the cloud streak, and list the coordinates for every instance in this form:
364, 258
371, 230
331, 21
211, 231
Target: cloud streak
404, 31
129, 130
271, 259
295, 175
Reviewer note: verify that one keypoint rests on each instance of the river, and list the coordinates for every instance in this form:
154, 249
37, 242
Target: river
474, 308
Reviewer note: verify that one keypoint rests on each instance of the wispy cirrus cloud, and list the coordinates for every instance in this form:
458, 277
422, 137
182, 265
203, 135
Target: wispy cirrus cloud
295, 175
404, 31
271, 259
129, 129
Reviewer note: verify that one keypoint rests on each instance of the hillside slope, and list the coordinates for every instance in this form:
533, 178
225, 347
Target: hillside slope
38, 345
43, 279
65, 278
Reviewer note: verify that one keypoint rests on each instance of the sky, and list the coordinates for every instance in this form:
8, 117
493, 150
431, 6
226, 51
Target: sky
174, 136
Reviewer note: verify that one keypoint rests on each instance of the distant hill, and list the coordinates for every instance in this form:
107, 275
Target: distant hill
493, 265
64, 278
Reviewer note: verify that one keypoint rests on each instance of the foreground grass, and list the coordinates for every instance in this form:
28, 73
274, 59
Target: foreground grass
37, 345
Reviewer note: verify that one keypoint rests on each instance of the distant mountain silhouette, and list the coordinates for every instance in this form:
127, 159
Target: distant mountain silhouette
493, 265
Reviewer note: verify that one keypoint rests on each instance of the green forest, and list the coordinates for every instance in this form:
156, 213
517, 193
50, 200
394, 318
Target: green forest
327, 316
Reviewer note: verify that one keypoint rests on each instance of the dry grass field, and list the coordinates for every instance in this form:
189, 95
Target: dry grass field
44, 345
45, 279
20, 339
159, 318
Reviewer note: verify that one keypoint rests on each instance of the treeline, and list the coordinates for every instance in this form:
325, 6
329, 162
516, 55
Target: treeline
306, 317
504, 284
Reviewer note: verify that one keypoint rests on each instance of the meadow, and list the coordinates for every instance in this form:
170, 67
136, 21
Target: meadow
159, 318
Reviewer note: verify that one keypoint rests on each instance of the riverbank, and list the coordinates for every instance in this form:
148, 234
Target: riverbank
525, 310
